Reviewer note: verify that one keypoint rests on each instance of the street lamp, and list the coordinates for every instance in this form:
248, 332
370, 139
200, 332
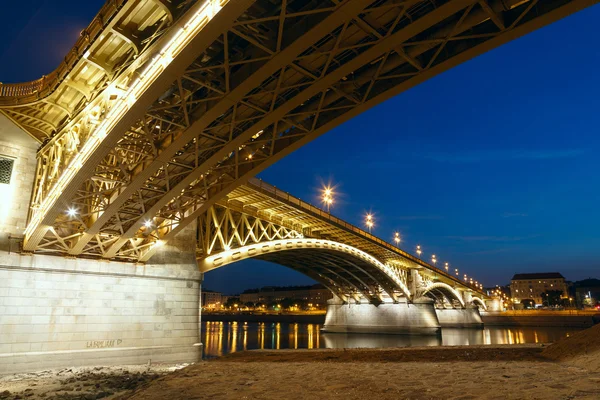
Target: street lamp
446, 266
456, 271
397, 238
433, 260
369, 222
419, 250
327, 197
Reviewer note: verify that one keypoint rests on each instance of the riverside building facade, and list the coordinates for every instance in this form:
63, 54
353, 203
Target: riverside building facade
532, 286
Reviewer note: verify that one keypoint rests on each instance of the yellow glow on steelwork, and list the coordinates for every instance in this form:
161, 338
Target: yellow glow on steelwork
203, 14
240, 253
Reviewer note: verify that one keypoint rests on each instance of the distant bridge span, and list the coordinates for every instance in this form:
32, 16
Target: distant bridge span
164, 107
256, 220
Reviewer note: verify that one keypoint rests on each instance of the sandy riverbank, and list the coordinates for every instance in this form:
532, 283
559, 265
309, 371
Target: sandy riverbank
569, 369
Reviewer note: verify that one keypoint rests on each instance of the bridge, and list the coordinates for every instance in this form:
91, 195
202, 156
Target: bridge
147, 136
369, 277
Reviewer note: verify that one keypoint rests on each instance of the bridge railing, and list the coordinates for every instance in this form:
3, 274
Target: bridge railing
260, 185
27, 92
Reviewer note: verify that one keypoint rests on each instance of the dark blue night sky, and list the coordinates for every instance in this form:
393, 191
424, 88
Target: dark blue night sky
493, 166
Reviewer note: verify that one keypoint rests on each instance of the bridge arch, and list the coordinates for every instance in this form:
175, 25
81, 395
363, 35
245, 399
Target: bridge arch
337, 266
477, 300
445, 290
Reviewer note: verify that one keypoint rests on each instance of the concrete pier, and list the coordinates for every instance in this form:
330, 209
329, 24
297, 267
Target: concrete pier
417, 318
57, 312
60, 312
459, 317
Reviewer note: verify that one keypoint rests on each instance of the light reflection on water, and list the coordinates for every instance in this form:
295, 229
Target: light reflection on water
220, 338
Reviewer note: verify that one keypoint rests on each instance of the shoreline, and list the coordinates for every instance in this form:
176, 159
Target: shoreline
482, 371
512, 319
566, 369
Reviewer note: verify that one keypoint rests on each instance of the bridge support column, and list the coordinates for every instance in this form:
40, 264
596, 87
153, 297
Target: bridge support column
467, 317
467, 296
494, 305
62, 312
417, 318
57, 312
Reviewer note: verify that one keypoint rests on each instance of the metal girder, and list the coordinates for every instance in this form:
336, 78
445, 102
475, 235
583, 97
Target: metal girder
81, 88
257, 93
445, 288
55, 199
224, 230
317, 92
279, 59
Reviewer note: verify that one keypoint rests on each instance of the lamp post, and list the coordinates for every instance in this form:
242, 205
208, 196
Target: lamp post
433, 260
397, 238
446, 266
327, 197
369, 222
419, 251
456, 271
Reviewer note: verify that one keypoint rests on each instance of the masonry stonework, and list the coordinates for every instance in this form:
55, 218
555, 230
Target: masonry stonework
59, 312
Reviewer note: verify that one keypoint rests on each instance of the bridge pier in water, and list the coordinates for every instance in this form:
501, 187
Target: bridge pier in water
419, 317
467, 317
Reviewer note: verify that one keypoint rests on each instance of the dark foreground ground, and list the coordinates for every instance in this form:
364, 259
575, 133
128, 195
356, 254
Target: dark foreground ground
569, 369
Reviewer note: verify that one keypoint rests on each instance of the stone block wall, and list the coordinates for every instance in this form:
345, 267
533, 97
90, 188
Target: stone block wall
14, 197
58, 312
61, 312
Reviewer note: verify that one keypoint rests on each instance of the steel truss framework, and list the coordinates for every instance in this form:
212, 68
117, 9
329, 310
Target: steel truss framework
276, 75
443, 294
226, 236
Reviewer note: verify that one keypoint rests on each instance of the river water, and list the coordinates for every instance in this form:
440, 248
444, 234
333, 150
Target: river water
221, 338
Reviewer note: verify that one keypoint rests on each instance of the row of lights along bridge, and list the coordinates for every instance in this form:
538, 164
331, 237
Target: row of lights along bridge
327, 199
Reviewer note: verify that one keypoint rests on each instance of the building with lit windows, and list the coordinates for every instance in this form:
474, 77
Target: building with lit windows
315, 295
531, 286
211, 299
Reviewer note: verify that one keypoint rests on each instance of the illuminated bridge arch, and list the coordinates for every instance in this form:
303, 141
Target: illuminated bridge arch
345, 270
478, 301
444, 290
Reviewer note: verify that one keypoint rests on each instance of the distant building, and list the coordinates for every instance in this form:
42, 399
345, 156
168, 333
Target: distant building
313, 296
531, 286
232, 298
586, 292
211, 299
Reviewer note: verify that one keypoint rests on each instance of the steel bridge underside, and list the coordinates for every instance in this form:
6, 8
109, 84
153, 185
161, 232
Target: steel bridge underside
261, 79
347, 277
256, 220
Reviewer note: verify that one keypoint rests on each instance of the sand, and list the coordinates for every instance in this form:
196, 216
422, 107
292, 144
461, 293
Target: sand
484, 372
581, 350
569, 369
